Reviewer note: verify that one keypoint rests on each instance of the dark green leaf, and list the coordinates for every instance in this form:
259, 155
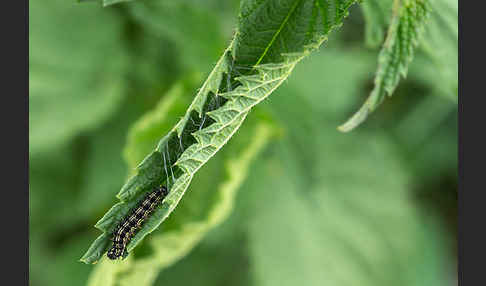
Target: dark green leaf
258, 60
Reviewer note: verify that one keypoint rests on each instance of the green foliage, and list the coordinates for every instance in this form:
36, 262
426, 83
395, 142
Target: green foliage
86, 87
323, 227
377, 15
208, 202
308, 211
406, 27
184, 22
439, 41
311, 205
258, 62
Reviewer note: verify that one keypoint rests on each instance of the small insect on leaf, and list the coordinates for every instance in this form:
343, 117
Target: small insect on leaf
132, 223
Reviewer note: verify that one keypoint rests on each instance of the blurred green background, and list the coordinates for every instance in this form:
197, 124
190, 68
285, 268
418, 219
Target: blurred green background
376, 206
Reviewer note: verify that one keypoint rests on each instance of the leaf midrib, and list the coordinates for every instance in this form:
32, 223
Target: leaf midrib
277, 32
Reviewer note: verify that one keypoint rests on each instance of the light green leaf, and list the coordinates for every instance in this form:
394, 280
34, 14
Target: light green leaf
271, 39
338, 236
346, 217
406, 27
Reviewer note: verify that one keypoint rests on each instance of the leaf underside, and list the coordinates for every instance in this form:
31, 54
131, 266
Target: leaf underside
272, 37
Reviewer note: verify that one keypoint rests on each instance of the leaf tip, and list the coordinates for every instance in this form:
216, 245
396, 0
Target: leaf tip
85, 260
355, 120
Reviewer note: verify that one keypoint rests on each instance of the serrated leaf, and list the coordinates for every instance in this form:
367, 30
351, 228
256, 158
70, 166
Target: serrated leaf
406, 27
439, 42
208, 204
272, 37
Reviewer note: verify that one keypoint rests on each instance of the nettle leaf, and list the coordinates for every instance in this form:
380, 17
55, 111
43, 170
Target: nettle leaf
272, 37
209, 202
333, 230
438, 44
339, 220
406, 27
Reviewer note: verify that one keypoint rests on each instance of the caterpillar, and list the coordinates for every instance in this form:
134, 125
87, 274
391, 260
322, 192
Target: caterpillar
131, 224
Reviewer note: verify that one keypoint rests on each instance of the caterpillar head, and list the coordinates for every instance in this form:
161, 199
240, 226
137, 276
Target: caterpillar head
162, 191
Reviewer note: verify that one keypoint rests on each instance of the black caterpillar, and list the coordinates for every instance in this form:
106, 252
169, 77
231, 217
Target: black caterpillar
131, 224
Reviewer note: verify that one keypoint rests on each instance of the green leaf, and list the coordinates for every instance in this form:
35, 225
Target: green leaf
406, 27
75, 72
439, 43
337, 235
272, 37
207, 205
346, 217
